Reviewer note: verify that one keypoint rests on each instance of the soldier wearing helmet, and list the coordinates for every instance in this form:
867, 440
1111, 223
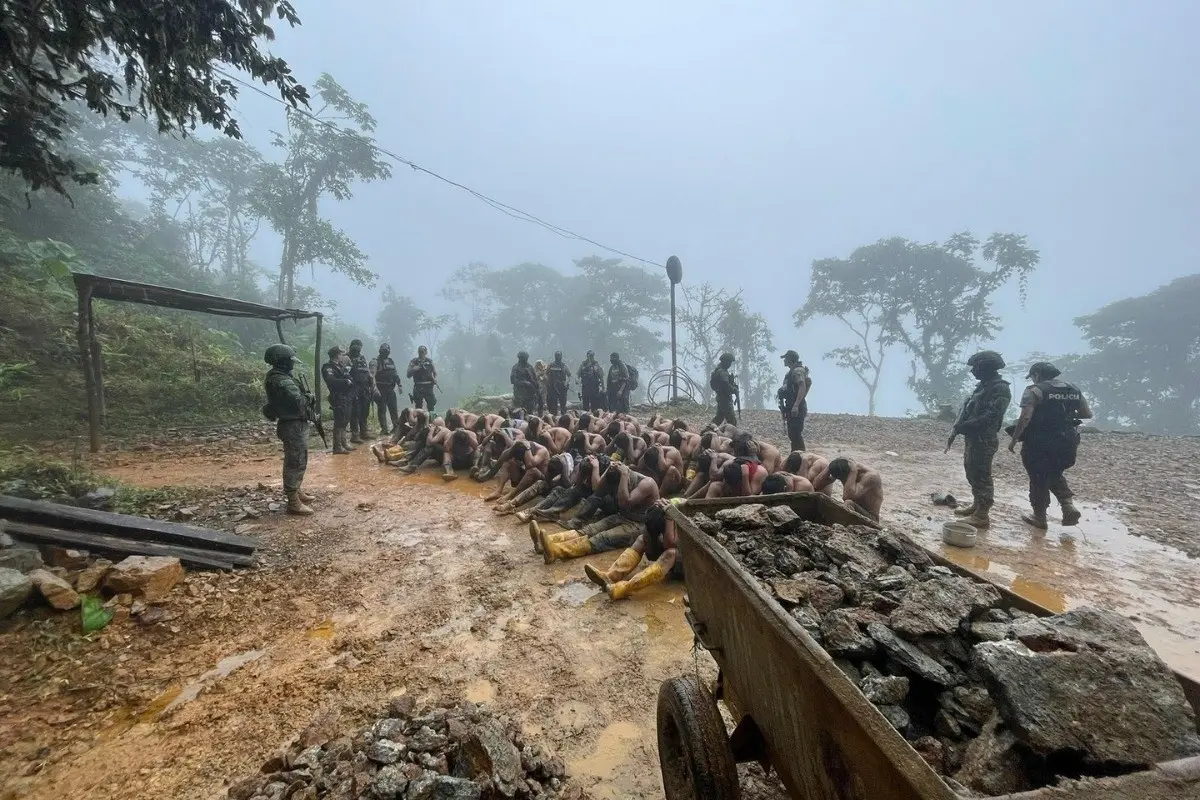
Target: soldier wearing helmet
725, 387
424, 378
524, 381
364, 392
387, 382
337, 380
591, 382
618, 384
1048, 429
291, 408
559, 377
979, 423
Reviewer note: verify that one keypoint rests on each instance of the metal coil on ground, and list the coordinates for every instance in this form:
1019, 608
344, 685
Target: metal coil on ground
658, 388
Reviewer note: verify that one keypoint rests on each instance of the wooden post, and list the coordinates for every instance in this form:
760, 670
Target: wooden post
97, 361
83, 335
317, 365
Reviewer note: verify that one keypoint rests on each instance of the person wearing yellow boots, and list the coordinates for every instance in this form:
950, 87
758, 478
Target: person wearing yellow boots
659, 546
634, 493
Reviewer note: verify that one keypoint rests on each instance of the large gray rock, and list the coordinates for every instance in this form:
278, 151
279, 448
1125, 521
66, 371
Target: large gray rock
938, 606
385, 751
389, 783
901, 549
992, 764
845, 545
887, 690
822, 596
430, 786
843, 637
1120, 707
744, 517
1083, 629
14, 588
909, 657
22, 559
488, 751
782, 516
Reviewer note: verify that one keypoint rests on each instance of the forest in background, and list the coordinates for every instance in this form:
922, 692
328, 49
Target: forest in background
90, 116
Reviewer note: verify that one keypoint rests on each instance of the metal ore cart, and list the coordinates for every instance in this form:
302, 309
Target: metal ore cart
796, 712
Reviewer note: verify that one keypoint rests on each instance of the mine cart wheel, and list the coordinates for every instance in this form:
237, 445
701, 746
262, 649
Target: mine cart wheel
693, 749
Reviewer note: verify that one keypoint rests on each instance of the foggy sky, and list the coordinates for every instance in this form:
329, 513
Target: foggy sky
751, 138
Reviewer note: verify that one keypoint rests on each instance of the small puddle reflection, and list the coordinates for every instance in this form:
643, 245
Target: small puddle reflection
576, 592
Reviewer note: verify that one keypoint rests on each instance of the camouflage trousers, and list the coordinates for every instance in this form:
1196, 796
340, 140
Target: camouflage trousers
614, 532
725, 411
294, 435
423, 397
978, 452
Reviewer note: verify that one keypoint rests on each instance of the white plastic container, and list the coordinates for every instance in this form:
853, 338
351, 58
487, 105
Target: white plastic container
959, 534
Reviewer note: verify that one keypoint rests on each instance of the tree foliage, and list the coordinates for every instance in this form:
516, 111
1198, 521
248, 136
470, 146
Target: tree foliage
933, 300
161, 62
747, 335
327, 152
1144, 368
861, 316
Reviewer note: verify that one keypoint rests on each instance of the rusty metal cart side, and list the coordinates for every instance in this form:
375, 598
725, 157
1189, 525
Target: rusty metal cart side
794, 709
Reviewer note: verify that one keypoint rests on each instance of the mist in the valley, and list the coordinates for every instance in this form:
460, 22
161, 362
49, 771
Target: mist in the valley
751, 141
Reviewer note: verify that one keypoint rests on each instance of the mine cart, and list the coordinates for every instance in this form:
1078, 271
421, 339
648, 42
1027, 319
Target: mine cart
797, 712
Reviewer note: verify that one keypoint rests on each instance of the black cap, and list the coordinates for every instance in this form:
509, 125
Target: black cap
790, 355
1045, 369
335, 351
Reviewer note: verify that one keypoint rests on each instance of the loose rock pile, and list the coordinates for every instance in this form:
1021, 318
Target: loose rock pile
60, 577
996, 700
450, 752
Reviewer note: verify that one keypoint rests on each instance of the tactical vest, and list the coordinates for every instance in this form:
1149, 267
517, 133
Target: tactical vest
423, 370
558, 374
280, 403
791, 384
335, 377
1058, 409
360, 370
591, 373
385, 373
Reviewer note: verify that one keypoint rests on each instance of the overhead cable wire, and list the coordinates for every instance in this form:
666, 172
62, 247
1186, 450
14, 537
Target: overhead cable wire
503, 208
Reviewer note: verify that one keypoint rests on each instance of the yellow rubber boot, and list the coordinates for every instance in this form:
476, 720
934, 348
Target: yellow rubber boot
649, 576
620, 569
556, 548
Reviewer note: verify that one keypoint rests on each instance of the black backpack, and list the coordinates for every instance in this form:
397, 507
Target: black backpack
633, 376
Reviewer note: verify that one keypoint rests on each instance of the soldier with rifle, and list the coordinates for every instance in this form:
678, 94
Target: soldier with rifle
364, 392
424, 378
336, 374
387, 382
559, 377
793, 398
591, 379
979, 423
524, 381
291, 406
725, 388
618, 384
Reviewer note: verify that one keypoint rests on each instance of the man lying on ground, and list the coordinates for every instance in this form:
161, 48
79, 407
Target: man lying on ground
862, 487
658, 544
634, 493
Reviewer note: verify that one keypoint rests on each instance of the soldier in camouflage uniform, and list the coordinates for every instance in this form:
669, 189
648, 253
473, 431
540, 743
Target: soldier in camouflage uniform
524, 381
793, 398
364, 392
424, 378
979, 423
724, 386
337, 380
291, 408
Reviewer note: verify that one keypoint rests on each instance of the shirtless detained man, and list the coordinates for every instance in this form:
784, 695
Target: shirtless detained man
862, 487
659, 544
634, 493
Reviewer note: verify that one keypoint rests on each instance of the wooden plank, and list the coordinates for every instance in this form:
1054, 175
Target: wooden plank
116, 546
82, 334
37, 512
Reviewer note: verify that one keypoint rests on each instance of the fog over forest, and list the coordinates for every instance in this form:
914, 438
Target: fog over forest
751, 143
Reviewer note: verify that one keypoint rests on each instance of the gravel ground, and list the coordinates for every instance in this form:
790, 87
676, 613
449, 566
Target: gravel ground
1151, 482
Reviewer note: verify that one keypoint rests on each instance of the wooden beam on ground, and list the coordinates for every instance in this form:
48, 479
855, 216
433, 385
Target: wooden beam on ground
103, 544
124, 526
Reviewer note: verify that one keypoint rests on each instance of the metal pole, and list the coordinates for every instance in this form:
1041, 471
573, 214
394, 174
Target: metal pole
674, 368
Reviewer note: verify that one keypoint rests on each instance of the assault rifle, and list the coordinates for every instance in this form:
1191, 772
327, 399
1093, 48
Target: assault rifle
737, 397
311, 411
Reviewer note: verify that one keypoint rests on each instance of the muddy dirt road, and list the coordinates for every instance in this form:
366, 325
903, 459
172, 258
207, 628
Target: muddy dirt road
409, 585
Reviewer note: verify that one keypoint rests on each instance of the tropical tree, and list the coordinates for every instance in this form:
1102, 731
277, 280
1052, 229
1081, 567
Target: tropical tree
931, 299
327, 152
164, 64
748, 337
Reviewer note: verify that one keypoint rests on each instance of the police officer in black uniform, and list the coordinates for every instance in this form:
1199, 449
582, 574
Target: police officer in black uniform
793, 397
424, 378
387, 381
558, 379
341, 389
591, 383
1048, 430
364, 391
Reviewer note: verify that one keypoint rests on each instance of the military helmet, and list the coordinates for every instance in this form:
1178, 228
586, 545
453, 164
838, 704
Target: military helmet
558, 355
335, 351
422, 350
356, 342
278, 352
727, 358
986, 359
522, 356
1045, 370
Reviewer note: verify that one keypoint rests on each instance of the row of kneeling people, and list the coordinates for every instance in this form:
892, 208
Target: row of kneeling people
606, 479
